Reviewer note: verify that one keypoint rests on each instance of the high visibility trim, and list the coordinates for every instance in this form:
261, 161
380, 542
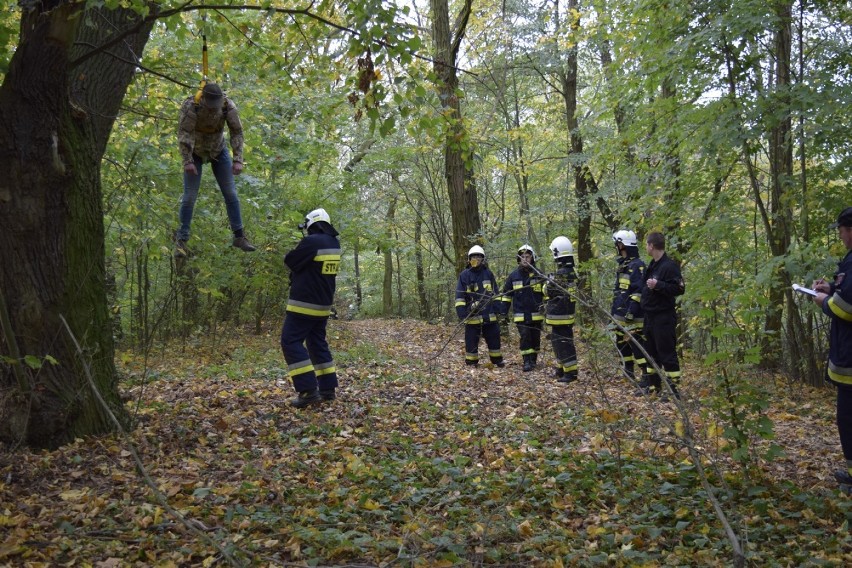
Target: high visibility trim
495, 354
326, 371
629, 359
840, 307
474, 321
636, 297
517, 284
551, 320
529, 351
323, 257
307, 309
471, 356
300, 368
673, 374
840, 374
329, 252
506, 299
460, 303
570, 367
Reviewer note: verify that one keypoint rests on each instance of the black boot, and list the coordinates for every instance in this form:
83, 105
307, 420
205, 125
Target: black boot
568, 377
534, 360
528, 364
558, 373
644, 386
327, 394
306, 398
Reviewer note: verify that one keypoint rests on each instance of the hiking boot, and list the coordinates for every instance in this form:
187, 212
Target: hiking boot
558, 373
180, 249
528, 364
306, 398
243, 244
327, 395
500, 365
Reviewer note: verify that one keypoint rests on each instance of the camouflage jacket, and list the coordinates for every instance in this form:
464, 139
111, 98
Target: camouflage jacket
201, 131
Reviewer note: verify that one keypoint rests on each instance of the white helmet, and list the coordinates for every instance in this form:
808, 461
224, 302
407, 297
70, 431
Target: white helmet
625, 237
529, 249
315, 216
562, 247
476, 249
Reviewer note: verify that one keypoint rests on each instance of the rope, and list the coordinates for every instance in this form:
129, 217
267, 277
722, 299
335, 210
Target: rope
204, 66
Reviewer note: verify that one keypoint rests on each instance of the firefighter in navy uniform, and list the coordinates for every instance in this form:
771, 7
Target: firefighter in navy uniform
662, 284
626, 308
477, 308
523, 290
561, 308
314, 264
835, 300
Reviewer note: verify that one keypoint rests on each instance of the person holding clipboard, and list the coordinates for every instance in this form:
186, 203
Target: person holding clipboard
835, 300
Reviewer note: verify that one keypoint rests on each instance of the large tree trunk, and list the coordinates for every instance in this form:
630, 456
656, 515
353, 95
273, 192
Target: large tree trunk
55, 119
458, 156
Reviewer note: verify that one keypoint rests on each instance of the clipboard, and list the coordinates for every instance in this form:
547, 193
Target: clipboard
803, 290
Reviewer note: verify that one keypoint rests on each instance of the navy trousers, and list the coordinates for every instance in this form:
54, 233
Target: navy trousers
309, 361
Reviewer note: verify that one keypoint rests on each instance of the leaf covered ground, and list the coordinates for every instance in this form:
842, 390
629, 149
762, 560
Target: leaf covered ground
422, 462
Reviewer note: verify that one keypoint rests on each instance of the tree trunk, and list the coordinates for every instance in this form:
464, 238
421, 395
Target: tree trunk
458, 155
55, 119
579, 168
387, 251
422, 299
781, 172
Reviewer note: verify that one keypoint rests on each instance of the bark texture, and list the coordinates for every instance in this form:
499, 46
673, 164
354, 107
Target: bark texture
57, 106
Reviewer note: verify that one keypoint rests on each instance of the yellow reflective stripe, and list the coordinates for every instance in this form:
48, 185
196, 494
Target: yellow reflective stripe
460, 303
551, 321
300, 368
326, 371
321, 257
840, 307
840, 374
309, 311
476, 320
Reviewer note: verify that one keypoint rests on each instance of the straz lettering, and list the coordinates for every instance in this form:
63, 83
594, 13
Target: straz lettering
330, 266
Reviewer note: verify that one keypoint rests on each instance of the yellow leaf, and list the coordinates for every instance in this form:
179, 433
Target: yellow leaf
679, 428
371, 505
525, 529
73, 494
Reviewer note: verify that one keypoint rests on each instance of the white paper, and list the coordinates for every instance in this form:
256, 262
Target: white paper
803, 290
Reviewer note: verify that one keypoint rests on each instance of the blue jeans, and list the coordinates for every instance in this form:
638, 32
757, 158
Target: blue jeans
225, 178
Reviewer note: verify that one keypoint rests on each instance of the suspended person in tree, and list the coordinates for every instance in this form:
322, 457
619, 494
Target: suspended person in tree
835, 300
313, 268
523, 290
561, 308
626, 307
201, 137
477, 308
662, 284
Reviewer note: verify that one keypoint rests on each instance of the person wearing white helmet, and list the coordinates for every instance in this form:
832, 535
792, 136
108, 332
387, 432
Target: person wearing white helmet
560, 309
523, 290
477, 308
626, 308
313, 265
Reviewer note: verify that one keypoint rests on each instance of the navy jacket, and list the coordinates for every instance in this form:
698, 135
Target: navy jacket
839, 308
669, 285
475, 296
627, 294
314, 264
559, 295
523, 289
